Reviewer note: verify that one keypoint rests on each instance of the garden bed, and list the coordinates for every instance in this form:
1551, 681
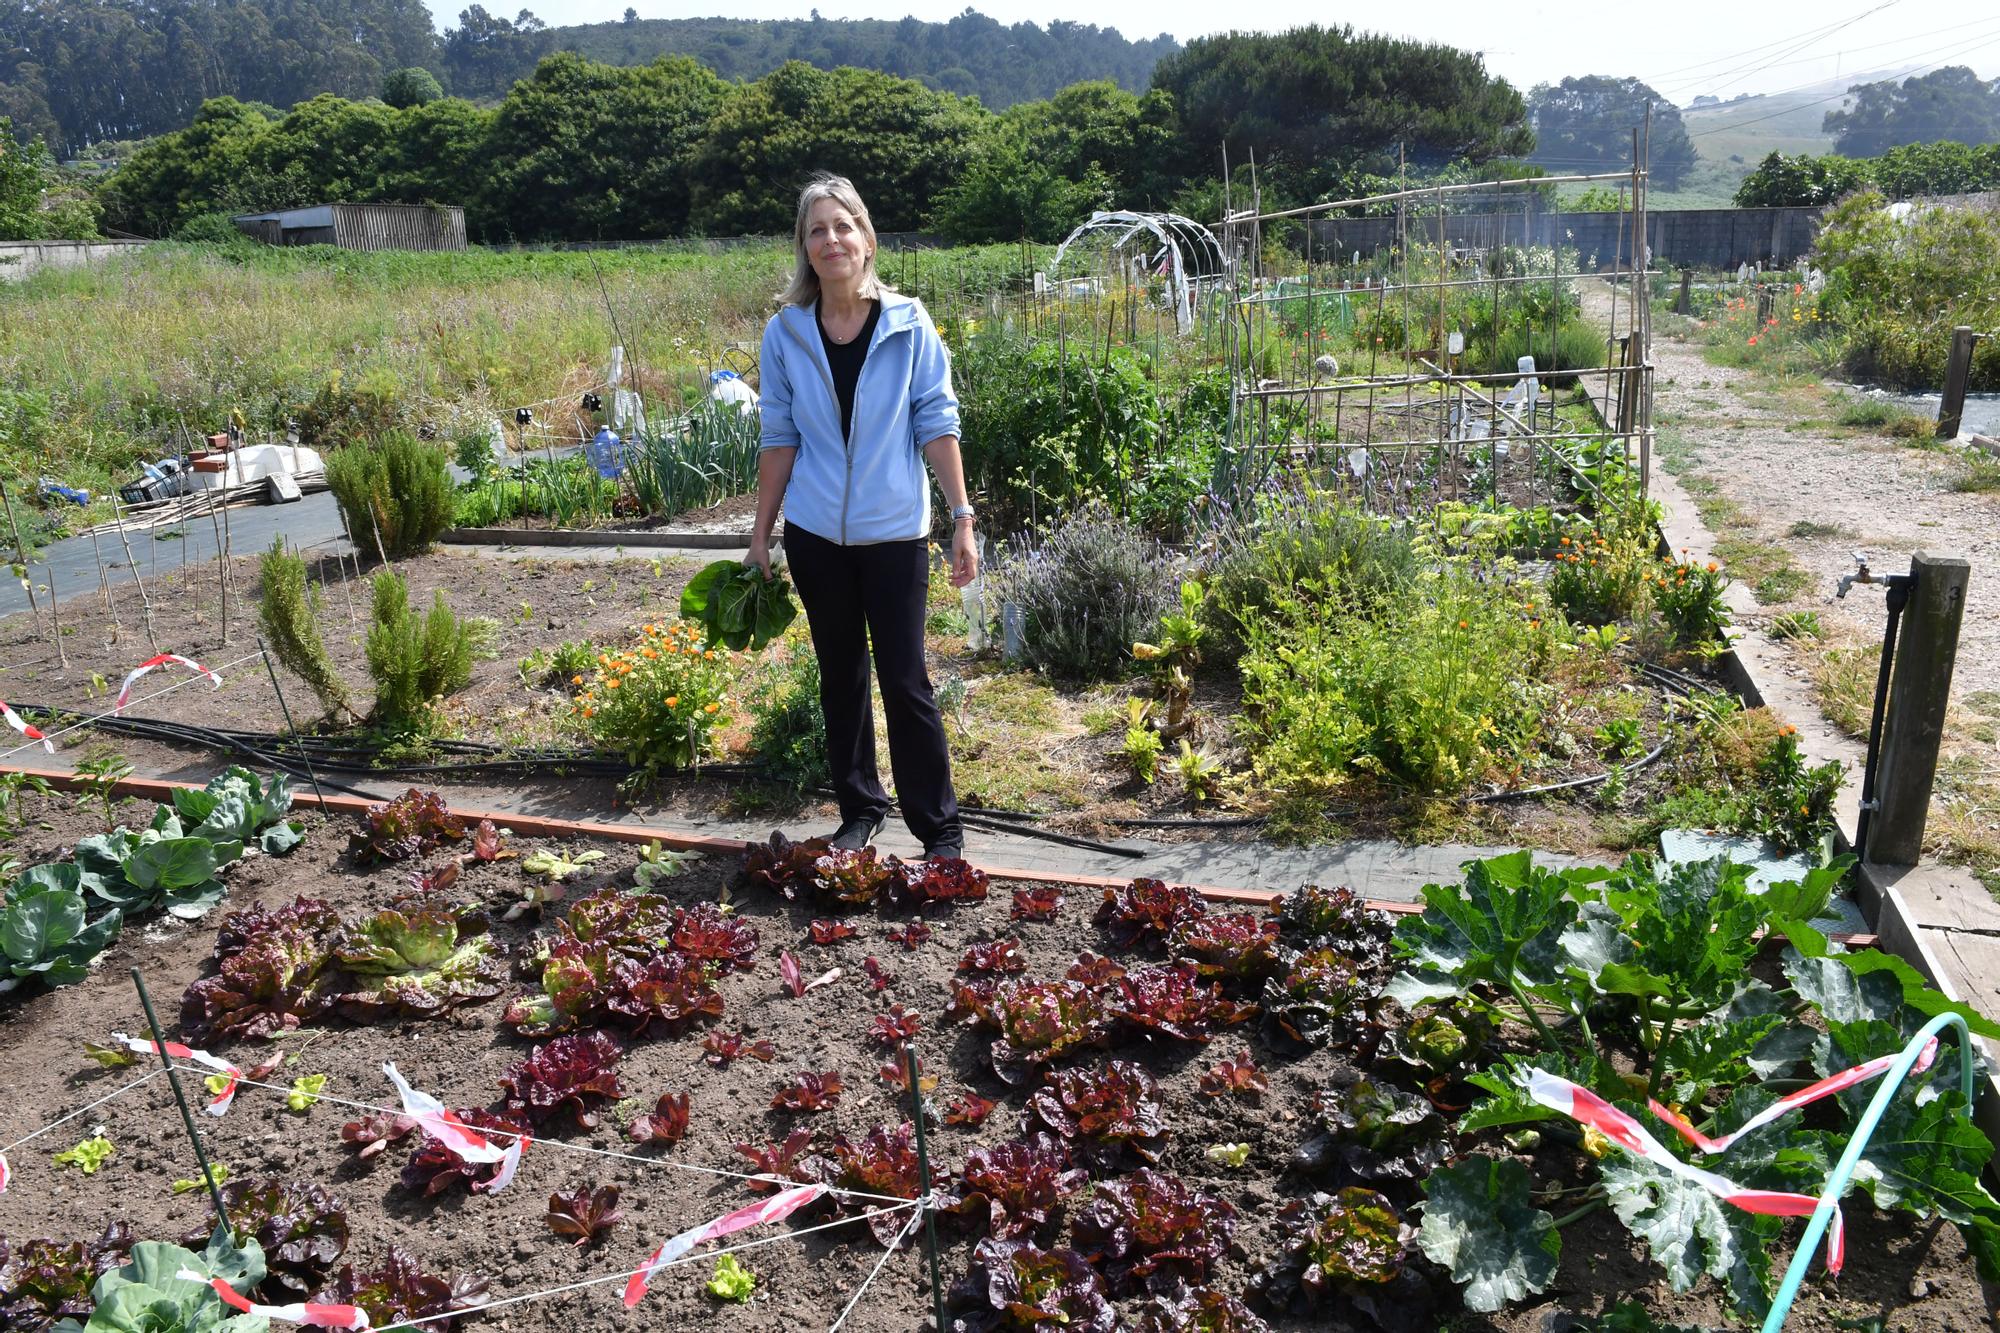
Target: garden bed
1895, 1264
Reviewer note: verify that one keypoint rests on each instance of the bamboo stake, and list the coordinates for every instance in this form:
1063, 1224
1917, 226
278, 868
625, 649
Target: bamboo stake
144, 601
21, 553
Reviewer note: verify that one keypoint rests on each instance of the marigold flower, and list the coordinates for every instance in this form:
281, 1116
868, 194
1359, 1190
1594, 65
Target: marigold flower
576, 680
613, 683
712, 707
590, 712
649, 654
1711, 566
673, 700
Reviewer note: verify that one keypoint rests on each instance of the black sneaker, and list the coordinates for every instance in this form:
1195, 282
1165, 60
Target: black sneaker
938, 851
854, 834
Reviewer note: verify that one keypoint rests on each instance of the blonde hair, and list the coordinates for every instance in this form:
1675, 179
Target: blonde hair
804, 286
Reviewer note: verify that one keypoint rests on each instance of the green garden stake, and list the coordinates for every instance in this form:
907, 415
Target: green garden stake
290, 725
924, 1180
187, 1117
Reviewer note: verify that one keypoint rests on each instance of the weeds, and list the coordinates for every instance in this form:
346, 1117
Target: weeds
1797, 625
1767, 569
1980, 473
788, 724
1843, 681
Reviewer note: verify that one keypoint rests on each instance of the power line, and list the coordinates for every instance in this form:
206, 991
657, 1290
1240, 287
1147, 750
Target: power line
1876, 51
1781, 41
1984, 40
1729, 76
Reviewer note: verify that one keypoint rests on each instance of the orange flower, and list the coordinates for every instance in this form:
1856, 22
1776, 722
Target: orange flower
1565, 541
649, 654
590, 712
712, 707
1753, 340
708, 654
613, 683
1463, 625
576, 680
1711, 566
673, 700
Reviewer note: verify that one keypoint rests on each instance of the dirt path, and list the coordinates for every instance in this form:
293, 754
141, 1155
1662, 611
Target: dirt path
1820, 493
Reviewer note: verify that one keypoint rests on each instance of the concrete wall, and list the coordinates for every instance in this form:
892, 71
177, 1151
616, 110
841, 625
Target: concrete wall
18, 259
1695, 237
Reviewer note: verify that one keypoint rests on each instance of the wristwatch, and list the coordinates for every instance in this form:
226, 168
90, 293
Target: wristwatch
961, 511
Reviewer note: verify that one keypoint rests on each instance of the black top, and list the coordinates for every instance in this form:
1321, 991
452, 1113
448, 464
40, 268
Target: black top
845, 360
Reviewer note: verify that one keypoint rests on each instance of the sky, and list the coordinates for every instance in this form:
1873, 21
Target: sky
1691, 47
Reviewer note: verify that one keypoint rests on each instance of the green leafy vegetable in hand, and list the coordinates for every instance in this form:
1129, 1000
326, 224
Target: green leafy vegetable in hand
732, 1281
737, 606
305, 1092
87, 1156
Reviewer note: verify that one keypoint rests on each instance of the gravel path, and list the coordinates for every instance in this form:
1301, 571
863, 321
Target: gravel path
1880, 496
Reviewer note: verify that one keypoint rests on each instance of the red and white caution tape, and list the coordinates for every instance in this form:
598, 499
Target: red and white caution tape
1587, 1108
154, 664
464, 1142
231, 1074
20, 724
1826, 1087
6, 1174
324, 1316
776, 1208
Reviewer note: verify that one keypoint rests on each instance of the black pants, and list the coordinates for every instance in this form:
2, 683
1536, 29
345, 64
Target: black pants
852, 595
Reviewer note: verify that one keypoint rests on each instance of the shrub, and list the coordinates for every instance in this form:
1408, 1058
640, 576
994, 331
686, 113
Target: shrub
394, 493
1577, 346
289, 613
660, 702
788, 724
1597, 579
1087, 592
1689, 599
412, 663
1431, 692
1297, 536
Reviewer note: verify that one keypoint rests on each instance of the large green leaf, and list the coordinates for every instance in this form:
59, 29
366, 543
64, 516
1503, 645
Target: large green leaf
1504, 925
1480, 1223
1713, 1053
1690, 1233
1916, 992
703, 586
281, 837
171, 863
39, 922
1694, 929
1926, 1159
1843, 995
62, 876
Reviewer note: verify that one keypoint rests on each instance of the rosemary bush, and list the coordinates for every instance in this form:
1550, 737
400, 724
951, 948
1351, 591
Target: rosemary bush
288, 612
416, 662
394, 493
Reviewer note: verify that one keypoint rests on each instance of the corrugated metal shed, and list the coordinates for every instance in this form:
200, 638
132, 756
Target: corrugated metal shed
361, 226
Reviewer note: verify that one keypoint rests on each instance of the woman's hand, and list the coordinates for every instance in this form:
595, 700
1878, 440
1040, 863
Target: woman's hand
964, 555
760, 555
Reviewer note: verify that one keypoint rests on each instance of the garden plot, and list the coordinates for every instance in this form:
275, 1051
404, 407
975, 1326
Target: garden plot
1141, 1098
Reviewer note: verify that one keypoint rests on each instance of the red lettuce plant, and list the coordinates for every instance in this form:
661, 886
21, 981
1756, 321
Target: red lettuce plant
637, 925
1316, 999
1228, 946
486, 843
783, 865
1238, 1077
879, 977
808, 1091
1147, 911
301, 1227
853, 879
969, 1109
895, 1074
437, 880
669, 989
584, 1213
994, 956
1015, 1187
44, 1281
826, 930
937, 879
884, 1162
586, 982
1015, 1284
894, 1027
666, 1126
1104, 1114
568, 1073
1311, 917
703, 933
725, 1047
374, 1132
781, 1161
1337, 1247
1150, 1229
1038, 902
1167, 1000
434, 1168
973, 998
1375, 1131
268, 967
1195, 1310
1041, 1021
1094, 970
408, 826
911, 937
398, 1289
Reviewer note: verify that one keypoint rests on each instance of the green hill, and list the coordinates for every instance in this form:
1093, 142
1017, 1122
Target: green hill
1734, 136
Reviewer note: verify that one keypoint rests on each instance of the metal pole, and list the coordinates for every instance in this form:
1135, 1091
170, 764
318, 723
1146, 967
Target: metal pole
187, 1117
924, 1180
283, 707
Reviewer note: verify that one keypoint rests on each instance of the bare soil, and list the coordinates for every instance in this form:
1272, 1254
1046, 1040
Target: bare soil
802, 1283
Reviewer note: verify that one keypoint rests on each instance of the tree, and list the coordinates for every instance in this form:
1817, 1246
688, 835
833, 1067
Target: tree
1951, 103
485, 54
631, 16
584, 150
34, 205
1803, 181
410, 87
204, 168
1586, 124
1009, 194
1313, 101
900, 143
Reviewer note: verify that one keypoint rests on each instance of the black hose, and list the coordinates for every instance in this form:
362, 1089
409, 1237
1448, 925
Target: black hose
1571, 784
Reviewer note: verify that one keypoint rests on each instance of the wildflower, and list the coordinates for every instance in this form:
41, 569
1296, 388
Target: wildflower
649, 654
590, 712
1463, 625
613, 683
673, 700
576, 680
712, 707
1753, 340
1711, 566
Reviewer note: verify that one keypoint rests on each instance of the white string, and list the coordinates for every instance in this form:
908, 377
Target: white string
558, 1143
184, 681
915, 1218
587, 1283
83, 1110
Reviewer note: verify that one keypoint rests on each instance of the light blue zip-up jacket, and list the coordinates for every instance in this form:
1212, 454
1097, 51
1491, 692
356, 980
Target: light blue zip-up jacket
869, 486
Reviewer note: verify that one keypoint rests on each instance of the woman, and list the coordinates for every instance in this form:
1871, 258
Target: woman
857, 396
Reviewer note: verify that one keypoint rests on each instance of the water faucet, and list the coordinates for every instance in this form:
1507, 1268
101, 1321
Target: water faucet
1861, 574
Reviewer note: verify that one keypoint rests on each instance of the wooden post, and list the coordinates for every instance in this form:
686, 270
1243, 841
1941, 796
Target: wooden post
1913, 721
1957, 371
1684, 303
